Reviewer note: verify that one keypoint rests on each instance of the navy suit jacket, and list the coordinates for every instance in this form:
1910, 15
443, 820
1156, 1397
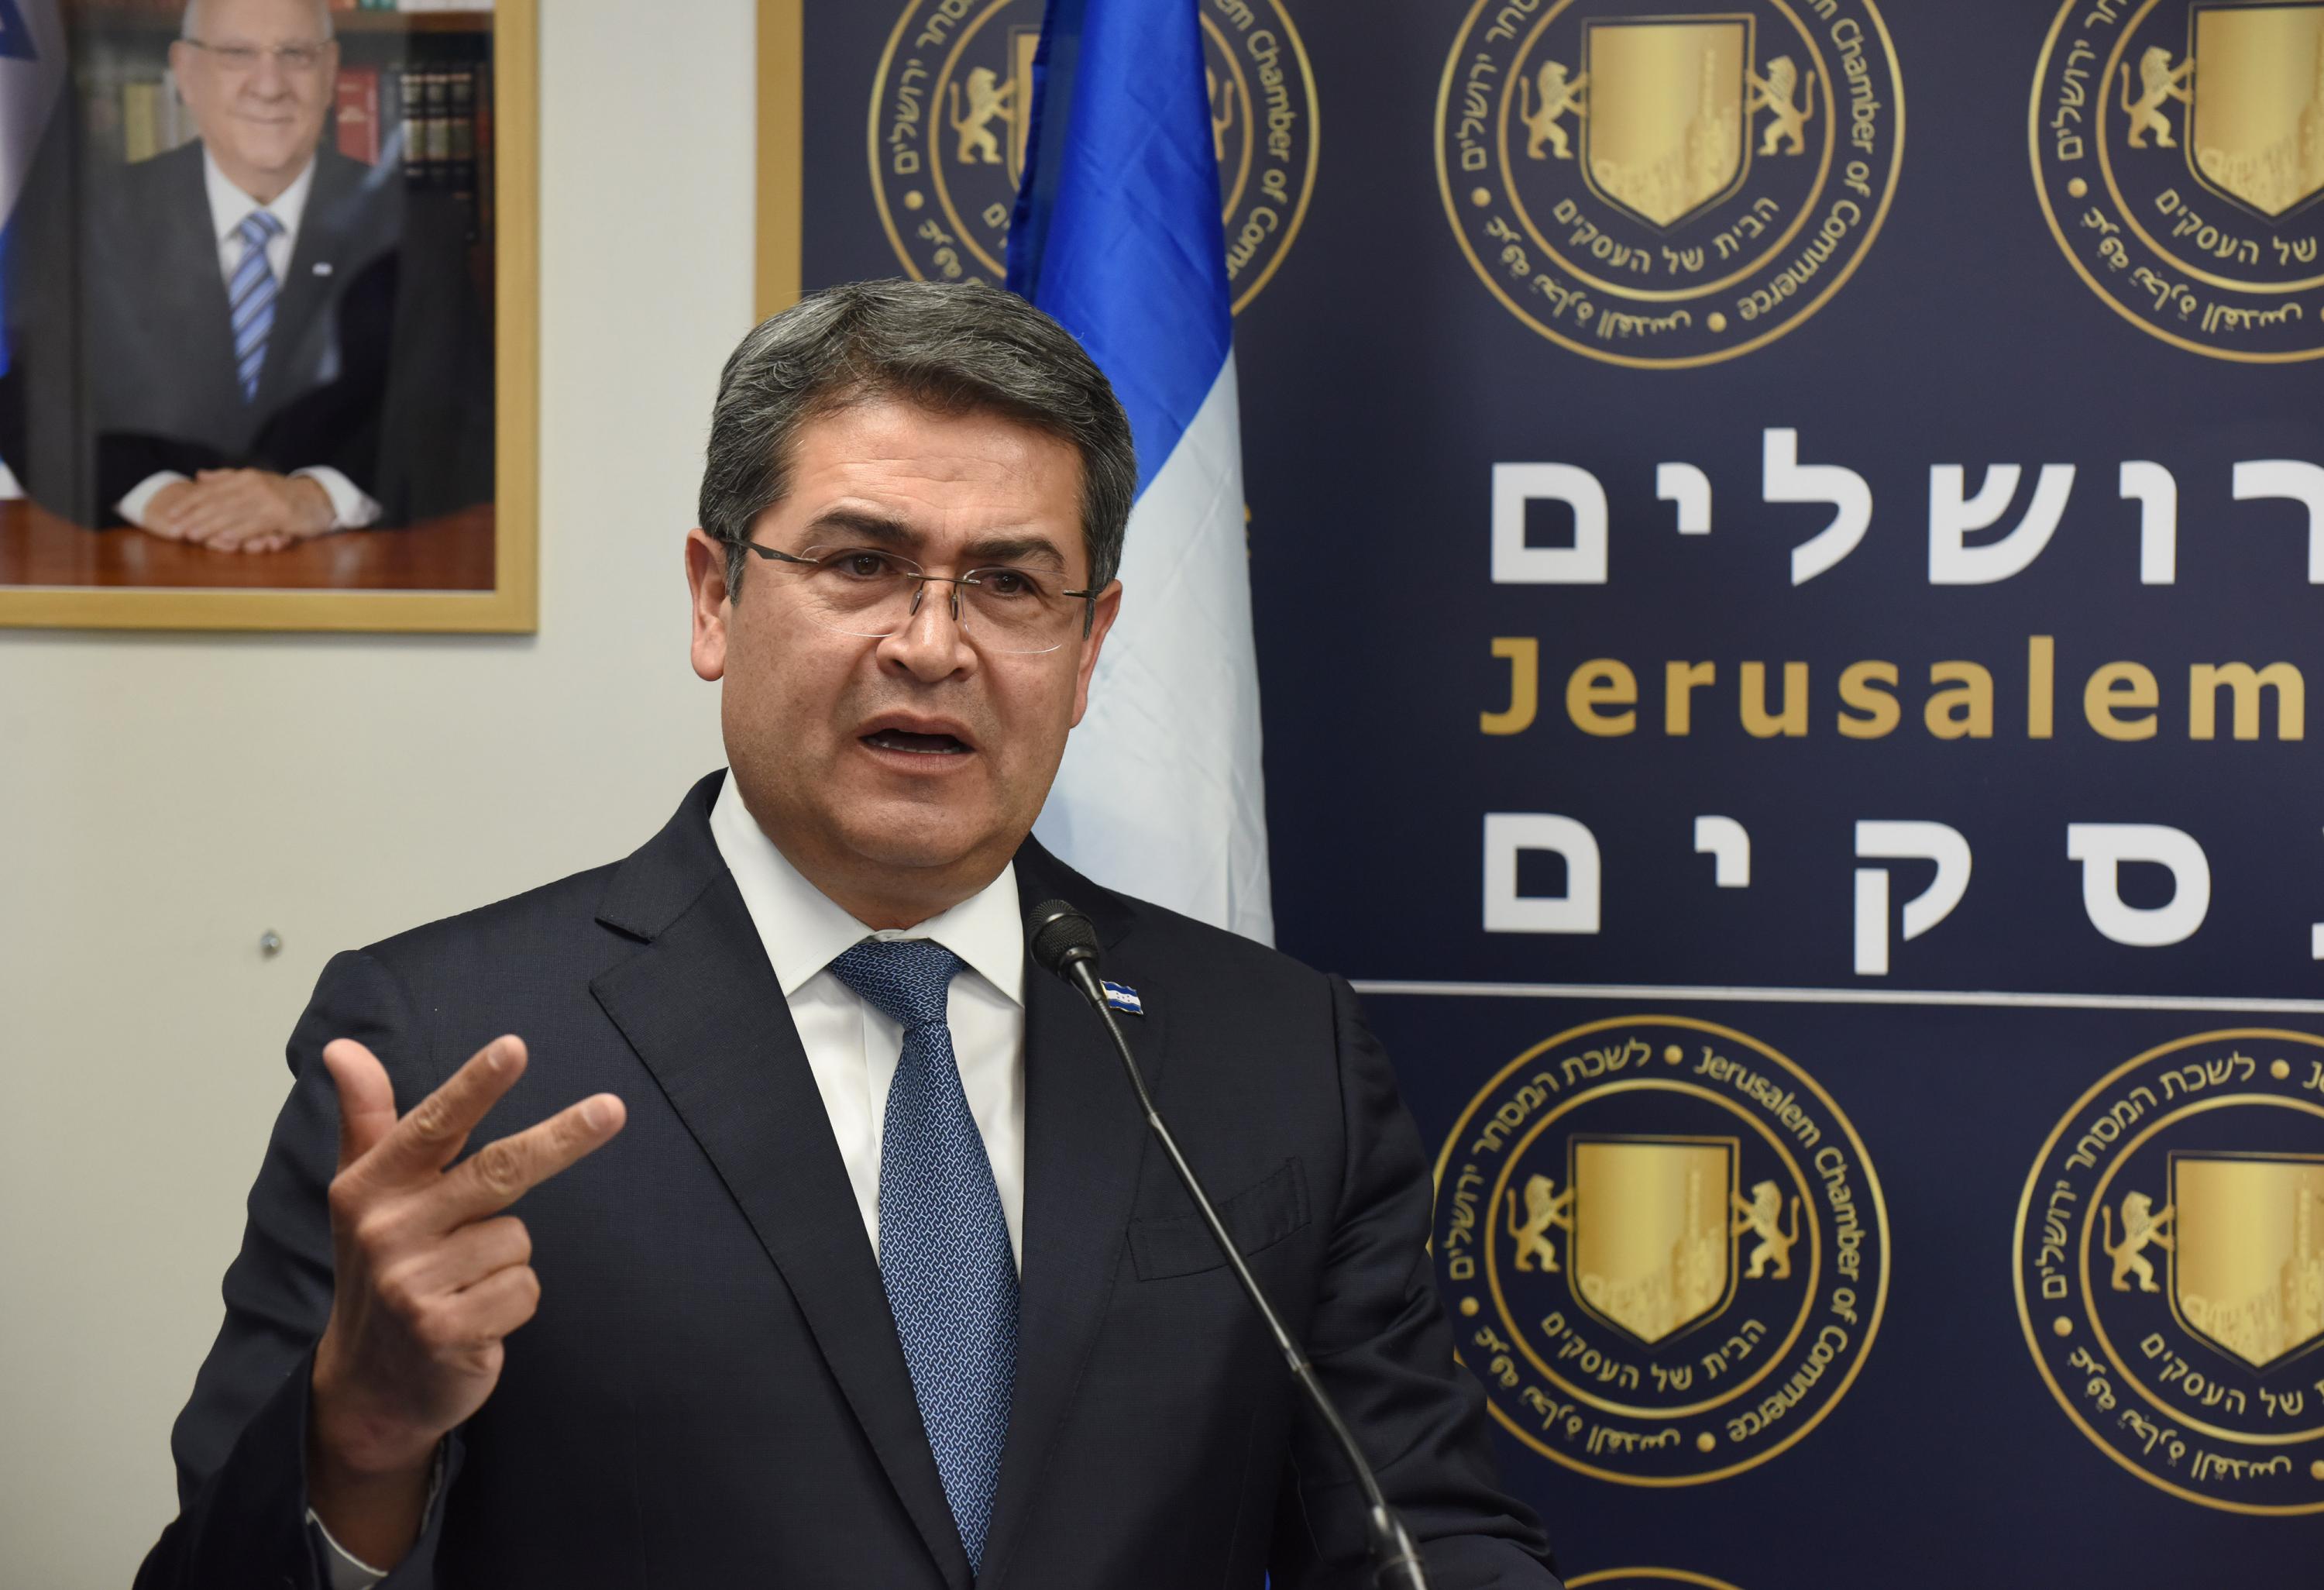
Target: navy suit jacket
712, 1392
121, 354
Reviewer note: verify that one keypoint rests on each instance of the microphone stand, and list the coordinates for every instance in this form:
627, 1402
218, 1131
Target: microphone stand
1397, 1563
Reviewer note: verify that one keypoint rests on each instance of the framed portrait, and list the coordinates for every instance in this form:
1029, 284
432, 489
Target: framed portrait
780, 188
267, 288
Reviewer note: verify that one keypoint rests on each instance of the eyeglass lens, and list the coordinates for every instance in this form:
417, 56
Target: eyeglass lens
870, 593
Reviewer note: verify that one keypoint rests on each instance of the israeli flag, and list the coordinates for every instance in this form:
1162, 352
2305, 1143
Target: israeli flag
32, 80
1117, 235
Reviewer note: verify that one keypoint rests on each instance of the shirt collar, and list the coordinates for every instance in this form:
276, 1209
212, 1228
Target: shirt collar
803, 930
229, 203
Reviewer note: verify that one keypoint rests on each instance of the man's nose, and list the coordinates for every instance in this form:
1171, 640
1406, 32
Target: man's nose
268, 79
930, 645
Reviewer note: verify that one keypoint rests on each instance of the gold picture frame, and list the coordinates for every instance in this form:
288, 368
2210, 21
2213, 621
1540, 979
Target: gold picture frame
782, 130
510, 602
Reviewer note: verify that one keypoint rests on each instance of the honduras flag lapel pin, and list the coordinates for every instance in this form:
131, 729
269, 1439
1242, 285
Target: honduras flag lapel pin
1123, 997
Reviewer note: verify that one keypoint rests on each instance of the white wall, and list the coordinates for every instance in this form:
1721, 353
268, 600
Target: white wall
164, 799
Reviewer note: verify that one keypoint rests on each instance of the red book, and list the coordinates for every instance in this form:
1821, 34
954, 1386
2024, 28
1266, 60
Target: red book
358, 113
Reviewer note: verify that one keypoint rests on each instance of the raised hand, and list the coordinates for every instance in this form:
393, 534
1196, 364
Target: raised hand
429, 1277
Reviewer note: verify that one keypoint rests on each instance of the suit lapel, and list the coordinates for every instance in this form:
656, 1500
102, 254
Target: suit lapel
189, 295
1084, 1140
702, 1010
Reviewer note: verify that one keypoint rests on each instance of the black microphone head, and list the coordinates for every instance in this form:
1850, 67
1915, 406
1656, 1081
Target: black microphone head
1059, 937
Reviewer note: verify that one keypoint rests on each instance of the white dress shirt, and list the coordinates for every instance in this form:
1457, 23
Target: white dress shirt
852, 1048
229, 207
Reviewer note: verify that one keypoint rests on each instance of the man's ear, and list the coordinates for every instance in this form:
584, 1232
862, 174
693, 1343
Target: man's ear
1108, 608
712, 605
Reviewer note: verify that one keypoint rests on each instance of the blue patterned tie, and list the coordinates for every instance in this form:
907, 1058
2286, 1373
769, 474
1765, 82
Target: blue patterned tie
250, 299
944, 1246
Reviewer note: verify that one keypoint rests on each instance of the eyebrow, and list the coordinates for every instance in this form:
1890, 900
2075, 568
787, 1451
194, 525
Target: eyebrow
882, 530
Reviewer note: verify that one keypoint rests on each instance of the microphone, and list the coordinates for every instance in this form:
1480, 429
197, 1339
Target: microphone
1063, 942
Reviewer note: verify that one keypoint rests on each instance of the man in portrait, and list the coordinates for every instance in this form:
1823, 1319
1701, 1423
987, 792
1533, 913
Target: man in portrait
756, 1210
250, 340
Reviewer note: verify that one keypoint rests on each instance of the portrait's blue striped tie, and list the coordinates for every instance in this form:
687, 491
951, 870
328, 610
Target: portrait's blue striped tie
249, 296
944, 1245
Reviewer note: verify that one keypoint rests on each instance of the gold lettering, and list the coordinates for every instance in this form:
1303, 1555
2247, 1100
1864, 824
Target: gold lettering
2204, 680
1965, 712
1602, 682
1679, 680
1524, 655
1859, 689
2114, 698
2041, 685
1791, 721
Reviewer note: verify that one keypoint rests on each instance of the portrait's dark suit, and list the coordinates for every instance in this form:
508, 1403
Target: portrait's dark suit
712, 1392
122, 356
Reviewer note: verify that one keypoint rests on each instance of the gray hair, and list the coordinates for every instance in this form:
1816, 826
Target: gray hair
952, 347
189, 25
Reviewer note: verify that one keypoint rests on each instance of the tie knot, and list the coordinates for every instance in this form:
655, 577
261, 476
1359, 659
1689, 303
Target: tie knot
904, 979
257, 228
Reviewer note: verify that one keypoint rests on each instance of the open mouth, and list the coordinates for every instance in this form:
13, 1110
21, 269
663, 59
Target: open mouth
918, 744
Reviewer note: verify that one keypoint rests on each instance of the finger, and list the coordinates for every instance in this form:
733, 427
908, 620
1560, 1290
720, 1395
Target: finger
486, 1312
366, 1098
461, 1260
425, 1141
210, 516
502, 1171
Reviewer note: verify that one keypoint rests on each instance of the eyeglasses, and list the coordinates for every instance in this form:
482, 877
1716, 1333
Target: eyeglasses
243, 59
863, 591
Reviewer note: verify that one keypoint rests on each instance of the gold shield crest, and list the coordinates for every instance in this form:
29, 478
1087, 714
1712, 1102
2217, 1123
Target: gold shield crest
2257, 125
1652, 1253
2247, 1272
1663, 135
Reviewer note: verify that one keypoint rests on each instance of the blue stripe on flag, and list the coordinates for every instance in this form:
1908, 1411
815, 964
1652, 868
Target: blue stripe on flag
1132, 194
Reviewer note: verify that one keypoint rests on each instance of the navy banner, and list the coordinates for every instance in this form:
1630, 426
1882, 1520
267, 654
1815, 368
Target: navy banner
1786, 546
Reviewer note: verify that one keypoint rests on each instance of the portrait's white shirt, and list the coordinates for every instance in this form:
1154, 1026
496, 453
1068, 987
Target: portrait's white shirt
852, 1048
229, 207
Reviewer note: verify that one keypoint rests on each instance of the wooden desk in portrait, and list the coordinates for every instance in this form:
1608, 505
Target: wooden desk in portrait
453, 553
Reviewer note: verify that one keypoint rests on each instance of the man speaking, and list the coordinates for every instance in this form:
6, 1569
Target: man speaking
842, 1257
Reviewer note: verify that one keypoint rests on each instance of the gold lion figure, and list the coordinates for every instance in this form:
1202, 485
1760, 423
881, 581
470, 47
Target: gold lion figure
987, 97
1557, 97
1545, 1208
2160, 82
1773, 94
2140, 1225
1764, 1217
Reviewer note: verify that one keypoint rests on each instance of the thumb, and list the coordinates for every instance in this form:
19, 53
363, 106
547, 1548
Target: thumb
366, 1098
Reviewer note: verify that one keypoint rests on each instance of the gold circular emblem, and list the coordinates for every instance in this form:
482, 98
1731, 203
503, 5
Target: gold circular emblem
949, 128
1626, 1578
1660, 189
1665, 1250
2187, 198
2170, 1260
